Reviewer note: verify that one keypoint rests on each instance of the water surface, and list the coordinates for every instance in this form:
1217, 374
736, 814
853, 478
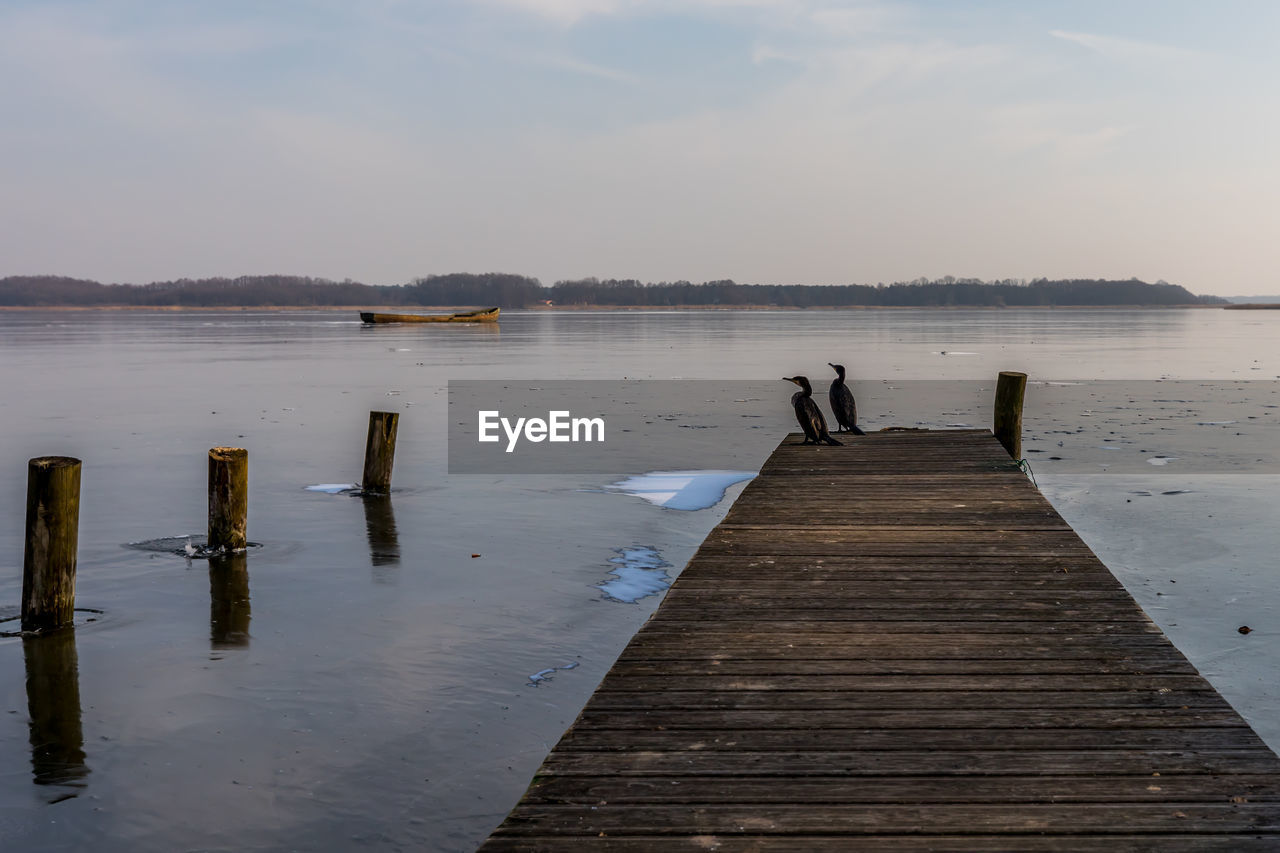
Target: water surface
364, 678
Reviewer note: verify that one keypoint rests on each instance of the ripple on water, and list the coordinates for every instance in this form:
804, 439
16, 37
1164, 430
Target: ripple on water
194, 547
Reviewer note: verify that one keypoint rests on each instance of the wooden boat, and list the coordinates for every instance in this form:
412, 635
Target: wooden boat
485, 315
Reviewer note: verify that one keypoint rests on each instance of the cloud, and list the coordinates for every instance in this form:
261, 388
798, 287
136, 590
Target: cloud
1059, 132
569, 12
763, 53
1128, 50
802, 140
590, 69
846, 21
563, 11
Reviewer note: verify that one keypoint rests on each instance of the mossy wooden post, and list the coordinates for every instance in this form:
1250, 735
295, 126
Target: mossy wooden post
228, 498
1007, 420
379, 452
49, 558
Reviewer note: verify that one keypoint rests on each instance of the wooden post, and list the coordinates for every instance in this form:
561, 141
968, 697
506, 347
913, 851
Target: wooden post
228, 498
49, 558
379, 452
1007, 419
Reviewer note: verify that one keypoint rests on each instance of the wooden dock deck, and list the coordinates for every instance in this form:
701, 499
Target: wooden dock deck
900, 645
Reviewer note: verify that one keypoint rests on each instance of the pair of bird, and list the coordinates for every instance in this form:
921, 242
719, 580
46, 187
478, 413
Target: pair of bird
810, 416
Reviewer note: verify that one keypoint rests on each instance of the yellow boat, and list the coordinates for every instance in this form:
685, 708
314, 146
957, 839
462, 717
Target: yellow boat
485, 315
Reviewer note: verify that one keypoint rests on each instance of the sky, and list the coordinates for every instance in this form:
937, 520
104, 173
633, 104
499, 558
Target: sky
767, 141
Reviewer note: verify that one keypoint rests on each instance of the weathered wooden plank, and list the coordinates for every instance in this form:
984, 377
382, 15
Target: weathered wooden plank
931, 533
910, 541
849, 487
889, 700
768, 819
853, 492
821, 642
780, 763
924, 718
1031, 593
908, 468
1037, 788
892, 591
877, 517
911, 740
736, 621
623, 681
899, 513
1167, 664
1059, 606
909, 564
876, 568
1075, 843
968, 576
705, 649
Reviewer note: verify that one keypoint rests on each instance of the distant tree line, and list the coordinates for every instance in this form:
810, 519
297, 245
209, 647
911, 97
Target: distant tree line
253, 291
517, 291
943, 292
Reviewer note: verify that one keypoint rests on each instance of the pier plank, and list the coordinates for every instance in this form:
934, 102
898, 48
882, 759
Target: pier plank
800, 843
1037, 788
899, 645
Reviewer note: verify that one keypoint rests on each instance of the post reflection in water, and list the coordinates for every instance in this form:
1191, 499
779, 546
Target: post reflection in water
384, 540
229, 601
53, 703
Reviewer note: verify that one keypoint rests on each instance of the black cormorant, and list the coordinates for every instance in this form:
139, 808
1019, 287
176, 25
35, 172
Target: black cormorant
842, 405
808, 413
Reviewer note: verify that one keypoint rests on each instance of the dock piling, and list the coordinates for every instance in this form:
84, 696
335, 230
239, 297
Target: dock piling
52, 533
228, 498
379, 452
1011, 387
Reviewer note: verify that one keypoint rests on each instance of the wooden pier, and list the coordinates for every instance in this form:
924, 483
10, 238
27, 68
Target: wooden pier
900, 645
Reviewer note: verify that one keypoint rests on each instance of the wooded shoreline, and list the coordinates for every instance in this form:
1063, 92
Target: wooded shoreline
505, 290
580, 308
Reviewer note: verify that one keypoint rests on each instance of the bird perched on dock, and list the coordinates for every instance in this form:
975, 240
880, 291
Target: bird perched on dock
808, 413
842, 404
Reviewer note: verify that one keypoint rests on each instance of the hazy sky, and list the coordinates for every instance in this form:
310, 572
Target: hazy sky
780, 141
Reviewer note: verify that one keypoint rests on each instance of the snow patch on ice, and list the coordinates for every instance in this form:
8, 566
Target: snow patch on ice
333, 488
638, 573
683, 490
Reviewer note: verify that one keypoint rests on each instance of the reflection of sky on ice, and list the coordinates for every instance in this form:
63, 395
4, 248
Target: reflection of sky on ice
685, 490
638, 572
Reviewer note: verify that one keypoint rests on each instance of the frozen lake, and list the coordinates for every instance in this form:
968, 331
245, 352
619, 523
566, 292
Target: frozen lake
403, 665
